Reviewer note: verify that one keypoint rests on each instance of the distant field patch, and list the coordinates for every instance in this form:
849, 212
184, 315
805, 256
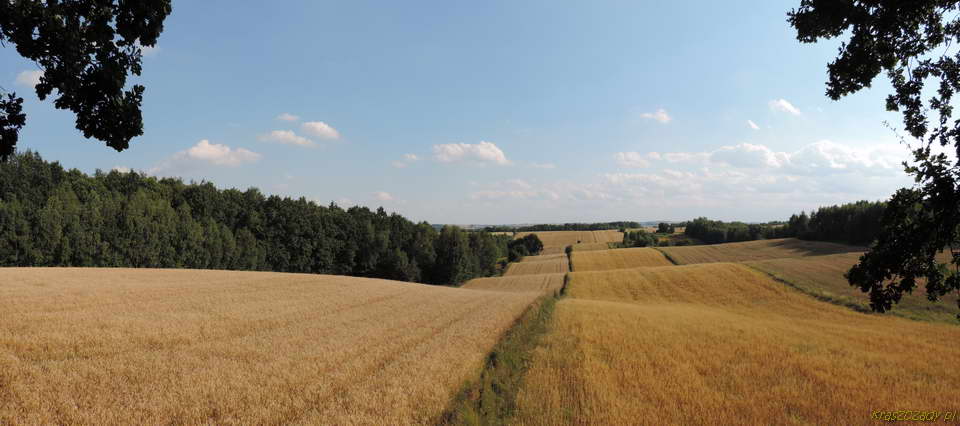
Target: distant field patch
554, 265
754, 250
591, 246
822, 276
726, 340
556, 241
147, 346
600, 260
543, 283
545, 257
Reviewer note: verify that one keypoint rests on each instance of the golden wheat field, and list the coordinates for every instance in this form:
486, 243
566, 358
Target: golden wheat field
823, 276
722, 343
554, 264
544, 257
591, 246
754, 250
543, 283
556, 241
147, 346
600, 260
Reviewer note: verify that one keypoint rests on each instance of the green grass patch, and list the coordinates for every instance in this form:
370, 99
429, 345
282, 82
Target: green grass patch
492, 399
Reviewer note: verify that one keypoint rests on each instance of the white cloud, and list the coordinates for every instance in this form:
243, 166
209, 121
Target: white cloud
635, 159
405, 161
205, 153
500, 195
382, 196
121, 169
483, 152
661, 116
221, 155
29, 78
543, 165
287, 137
345, 202
288, 117
747, 155
783, 105
320, 129
753, 125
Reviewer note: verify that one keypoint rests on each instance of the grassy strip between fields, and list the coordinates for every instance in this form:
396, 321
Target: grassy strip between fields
840, 301
492, 399
667, 255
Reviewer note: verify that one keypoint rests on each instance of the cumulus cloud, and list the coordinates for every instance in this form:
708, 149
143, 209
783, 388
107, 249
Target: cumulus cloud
121, 169
288, 117
405, 160
383, 196
483, 152
287, 137
320, 130
29, 78
635, 159
205, 153
753, 125
783, 105
220, 155
661, 116
747, 155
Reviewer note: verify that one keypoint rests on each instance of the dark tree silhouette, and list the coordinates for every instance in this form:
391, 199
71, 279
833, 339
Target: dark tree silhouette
910, 42
86, 48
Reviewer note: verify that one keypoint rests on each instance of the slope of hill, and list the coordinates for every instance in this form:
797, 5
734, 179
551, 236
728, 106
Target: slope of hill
542, 283
665, 345
148, 346
555, 264
754, 250
822, 277
599, 260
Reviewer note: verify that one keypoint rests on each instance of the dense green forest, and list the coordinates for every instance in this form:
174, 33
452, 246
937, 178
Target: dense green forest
50, 216
599, 226
851, 223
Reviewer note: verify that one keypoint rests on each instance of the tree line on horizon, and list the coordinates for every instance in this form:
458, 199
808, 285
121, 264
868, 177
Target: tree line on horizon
856, 223
50, 216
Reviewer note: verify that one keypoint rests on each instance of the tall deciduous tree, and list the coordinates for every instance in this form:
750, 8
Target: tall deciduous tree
86, 49
911, 42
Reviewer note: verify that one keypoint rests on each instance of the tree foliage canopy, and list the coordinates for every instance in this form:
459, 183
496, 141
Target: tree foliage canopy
86, 49
912, 42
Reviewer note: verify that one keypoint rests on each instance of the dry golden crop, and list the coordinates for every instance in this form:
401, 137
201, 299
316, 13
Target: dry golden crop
600, 260
543, 283
591, 246
754, 250
556, 264
556, 241
142, 346
822, 276
722, 343
553, 257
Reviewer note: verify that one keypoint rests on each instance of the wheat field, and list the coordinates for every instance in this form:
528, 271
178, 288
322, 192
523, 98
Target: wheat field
600, 260
754, 250
147, 346
542, 283
722, 343
544, 257
822, 276
556, 241
591, 246
555, 264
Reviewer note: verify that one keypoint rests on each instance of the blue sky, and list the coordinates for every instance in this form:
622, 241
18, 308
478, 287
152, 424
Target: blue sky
497, 112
